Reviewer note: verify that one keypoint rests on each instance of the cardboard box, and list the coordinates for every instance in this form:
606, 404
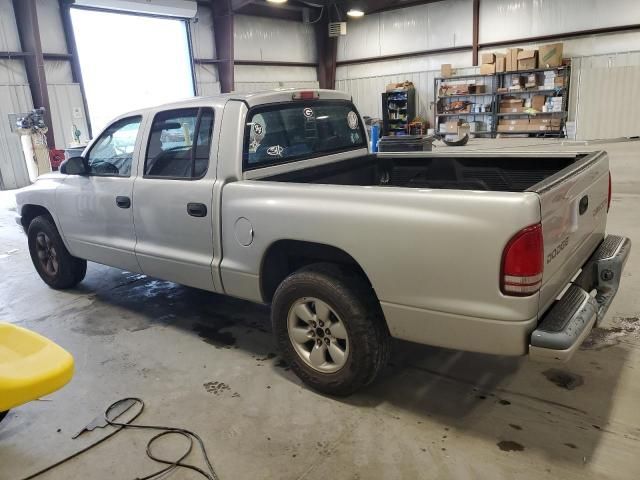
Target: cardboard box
481, 88
511, 101
528, 60
558, 81
550, 55
513, 121
488, 58
512, 128
537, 101
551, 122
451, 126
501, 63
487, 69
512, 59
445, 70
511, 109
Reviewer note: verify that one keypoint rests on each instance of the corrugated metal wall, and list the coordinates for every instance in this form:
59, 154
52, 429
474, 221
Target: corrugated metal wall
203, 46
268, 39
607, 94
15, 97
389, 33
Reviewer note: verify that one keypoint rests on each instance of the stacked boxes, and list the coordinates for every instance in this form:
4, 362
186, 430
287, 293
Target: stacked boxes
550, 80
554, 104
488, 66
512, 59
550, 55
511, 105
528, 60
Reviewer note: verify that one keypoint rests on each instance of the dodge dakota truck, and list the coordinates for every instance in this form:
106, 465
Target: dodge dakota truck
274, 197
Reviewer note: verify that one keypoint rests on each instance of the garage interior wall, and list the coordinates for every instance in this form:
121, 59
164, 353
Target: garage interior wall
15, 97
607, 61
203, 46
261, 39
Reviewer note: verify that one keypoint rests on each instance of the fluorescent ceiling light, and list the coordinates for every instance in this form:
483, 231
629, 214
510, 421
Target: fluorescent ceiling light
354, 12
277, 1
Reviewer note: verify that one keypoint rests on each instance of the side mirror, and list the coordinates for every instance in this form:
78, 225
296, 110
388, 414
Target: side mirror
74, 166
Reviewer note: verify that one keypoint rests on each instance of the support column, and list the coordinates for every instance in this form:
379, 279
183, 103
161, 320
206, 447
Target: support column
327, 48
476, 31
223, 40
72, 49
29, 32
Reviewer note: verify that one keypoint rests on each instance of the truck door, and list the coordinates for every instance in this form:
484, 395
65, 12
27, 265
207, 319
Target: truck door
173, 206
94, 210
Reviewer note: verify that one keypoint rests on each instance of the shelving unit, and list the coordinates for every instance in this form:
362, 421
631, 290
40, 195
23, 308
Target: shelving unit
504, 80
492, 99
398, 110
444, 102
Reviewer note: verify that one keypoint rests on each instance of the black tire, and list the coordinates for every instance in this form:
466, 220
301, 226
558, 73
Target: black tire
354, 301
3, 414
70, 270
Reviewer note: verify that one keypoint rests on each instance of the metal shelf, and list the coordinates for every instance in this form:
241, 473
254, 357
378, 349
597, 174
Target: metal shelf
463, 77
533, 70
466, 95
531, 132
562, 114
458, 114
520, 92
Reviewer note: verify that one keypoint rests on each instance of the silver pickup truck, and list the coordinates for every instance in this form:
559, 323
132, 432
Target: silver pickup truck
274, 197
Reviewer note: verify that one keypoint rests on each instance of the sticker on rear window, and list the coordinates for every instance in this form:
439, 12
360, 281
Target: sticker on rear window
258, 129
275, 151
308, 112
352, 120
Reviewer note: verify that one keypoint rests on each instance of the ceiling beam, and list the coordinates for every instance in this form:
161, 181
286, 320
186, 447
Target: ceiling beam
223, 37
29, 32
475, 32
327, 53
72, 48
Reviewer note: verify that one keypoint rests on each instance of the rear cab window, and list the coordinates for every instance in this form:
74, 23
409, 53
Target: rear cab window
287, 132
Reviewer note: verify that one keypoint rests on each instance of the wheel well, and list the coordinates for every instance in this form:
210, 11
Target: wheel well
29, 212
287, 256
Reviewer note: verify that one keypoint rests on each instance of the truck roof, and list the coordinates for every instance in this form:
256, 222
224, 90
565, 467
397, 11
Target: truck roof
252, 99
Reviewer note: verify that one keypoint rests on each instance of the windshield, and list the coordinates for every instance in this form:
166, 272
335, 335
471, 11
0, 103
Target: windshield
286, 132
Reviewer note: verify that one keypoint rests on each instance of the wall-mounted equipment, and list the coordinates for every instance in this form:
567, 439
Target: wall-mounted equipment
337, 29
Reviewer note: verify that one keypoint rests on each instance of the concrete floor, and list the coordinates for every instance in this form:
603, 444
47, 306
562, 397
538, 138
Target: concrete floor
434, 413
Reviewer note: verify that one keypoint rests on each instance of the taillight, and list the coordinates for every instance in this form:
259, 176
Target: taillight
522, 263
609, 194
307, 95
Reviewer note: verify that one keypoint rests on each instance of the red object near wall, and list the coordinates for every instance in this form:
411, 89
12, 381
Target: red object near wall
56, 157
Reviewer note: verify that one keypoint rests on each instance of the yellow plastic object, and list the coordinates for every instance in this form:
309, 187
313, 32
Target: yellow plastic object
31, 366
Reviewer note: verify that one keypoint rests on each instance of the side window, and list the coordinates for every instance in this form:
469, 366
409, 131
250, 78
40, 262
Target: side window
179, 144
112, 154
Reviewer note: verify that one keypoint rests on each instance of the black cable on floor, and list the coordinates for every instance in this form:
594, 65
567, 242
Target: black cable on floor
164, 431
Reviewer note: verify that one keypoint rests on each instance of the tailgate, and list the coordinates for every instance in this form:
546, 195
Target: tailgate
574, 216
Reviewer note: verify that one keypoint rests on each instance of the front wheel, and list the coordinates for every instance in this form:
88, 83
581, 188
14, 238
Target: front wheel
330, 329
53, 262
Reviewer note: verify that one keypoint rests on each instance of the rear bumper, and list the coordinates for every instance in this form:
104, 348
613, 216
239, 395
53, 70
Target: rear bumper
583, 306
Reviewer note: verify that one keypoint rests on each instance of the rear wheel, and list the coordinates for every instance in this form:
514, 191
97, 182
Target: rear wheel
3, 414
330, 329
53, 262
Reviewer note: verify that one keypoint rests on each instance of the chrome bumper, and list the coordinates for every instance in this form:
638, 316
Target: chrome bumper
584, 305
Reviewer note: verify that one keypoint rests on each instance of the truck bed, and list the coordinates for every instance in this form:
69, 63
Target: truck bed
509, 173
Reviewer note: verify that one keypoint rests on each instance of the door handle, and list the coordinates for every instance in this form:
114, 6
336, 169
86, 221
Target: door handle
197, 209
123, 202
